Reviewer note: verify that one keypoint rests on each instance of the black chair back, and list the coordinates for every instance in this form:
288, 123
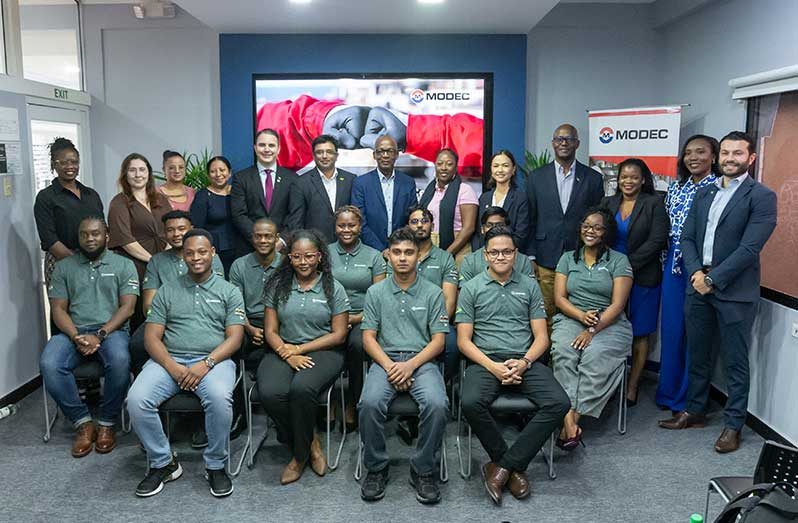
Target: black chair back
777, 463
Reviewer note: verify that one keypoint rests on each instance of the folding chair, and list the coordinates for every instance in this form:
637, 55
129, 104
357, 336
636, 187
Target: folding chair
777, 463
88, 370
252, 396
505, 403
403, 405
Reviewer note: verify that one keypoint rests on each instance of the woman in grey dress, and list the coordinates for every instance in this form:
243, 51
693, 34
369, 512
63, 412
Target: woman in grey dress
591, 336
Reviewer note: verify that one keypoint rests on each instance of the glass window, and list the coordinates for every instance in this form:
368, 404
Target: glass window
2, 42
51, 42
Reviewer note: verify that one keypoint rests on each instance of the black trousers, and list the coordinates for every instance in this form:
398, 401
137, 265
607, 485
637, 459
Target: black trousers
709, 321
291, 398
355, 356
481, 388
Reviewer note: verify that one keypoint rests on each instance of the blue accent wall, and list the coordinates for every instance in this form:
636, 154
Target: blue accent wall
242, 55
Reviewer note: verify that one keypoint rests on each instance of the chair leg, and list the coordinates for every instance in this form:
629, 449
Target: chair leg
550, 458
622, 403
329, 412
706, 505
359, 466
444, 462
334, 464
48, 423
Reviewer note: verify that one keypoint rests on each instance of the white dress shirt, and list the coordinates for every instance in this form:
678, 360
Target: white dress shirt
387, 195
719, 203
330, 186
565, 183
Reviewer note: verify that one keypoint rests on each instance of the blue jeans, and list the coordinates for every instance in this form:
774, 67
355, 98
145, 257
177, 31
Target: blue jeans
60, 357
154, 385
427, 390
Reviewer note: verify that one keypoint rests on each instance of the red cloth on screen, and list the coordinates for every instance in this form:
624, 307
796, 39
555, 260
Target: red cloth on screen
428, 133
298, 122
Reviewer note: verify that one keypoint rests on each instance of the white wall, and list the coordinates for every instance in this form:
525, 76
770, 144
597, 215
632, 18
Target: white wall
154, 86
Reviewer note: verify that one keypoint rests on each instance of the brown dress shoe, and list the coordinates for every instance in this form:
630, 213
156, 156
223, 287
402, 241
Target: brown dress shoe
728, 441
318, 463
106, 440
683, 420
495, 478
84, 439
292, 472
519, 485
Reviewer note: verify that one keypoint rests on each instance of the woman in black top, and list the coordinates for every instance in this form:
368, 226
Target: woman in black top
504, 193
61, 206
210, 210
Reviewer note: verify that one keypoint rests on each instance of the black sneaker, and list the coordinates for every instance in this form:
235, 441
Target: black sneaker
199, 440
220, 483
153, 482
427, 491
373, 488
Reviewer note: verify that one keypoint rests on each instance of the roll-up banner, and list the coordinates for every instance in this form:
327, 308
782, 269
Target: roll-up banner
648, 133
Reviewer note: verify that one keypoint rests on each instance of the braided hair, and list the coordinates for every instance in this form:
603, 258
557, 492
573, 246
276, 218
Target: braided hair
610, 232
283, 277
58, 146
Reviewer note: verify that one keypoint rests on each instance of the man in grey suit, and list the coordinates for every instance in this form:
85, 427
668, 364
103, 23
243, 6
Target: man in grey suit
728, 225
319, 192
261, 191
559, 193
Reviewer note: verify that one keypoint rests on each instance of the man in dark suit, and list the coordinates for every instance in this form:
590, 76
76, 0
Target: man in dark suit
727, 227
318, 193
559, 193
384, 196
261, 191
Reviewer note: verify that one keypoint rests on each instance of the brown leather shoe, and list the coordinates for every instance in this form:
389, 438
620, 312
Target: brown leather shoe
519, 485
728, 441
84, 439
106, 440
318, 463
495, 478
292, 472
683, 420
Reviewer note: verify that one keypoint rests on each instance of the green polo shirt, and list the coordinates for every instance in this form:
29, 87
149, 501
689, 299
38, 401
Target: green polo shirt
405, 320
168, 266
475, 262
307, 315
196, 314
356, 270
591, 287
250, 277
437, 266
93, 288
501, 313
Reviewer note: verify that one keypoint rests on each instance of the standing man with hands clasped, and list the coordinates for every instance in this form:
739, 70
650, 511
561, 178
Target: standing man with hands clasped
727, 227
194, 326
501, 329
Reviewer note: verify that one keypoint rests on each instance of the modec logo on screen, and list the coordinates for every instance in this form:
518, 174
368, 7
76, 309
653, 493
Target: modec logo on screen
607, 134
418, 96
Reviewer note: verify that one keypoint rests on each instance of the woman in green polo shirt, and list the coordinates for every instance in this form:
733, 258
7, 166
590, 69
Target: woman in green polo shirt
356, 266
306, 323
591, 336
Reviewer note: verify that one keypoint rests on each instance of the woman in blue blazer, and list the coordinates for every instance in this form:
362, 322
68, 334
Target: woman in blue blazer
504, 192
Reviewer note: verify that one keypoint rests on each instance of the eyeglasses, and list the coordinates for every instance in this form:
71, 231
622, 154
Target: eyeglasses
505, 253
595, 228
308, 256
416, 221
564, 139
491, 225
385, 152
69, 162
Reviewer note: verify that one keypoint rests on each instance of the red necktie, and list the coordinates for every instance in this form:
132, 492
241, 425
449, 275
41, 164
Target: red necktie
268, 188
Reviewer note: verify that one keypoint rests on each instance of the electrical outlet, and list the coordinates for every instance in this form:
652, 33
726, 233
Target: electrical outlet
795, 330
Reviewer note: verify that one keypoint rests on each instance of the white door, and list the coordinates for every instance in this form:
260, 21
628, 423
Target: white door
46, 123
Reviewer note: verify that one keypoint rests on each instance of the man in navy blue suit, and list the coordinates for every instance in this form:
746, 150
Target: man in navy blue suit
726, 229
384, 196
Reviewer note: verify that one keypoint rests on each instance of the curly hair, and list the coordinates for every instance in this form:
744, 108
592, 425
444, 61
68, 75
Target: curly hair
610, 232
283, 277
58, 146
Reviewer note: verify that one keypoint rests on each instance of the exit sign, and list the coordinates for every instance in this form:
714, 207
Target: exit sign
61, 94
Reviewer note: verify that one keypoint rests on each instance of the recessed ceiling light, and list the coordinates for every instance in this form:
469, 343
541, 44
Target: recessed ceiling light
300, 1
431, 1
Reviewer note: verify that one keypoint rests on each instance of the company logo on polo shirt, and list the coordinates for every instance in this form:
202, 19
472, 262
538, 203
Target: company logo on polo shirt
363, 265
444, 319
317, 300
209, 300
106, 274
239, 313
433, 266
606, 134
518, 293
603, 268
418, 308
133, 282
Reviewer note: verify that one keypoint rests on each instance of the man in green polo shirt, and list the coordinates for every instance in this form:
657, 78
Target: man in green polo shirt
501, 329
92, 294
162, 268
475, 262
404, 325
250, 274
195, 324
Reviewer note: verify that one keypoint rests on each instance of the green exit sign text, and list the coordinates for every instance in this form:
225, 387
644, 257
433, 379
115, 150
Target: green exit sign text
61, 94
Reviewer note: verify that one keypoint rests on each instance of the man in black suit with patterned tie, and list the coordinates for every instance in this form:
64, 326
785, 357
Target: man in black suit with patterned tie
261, 191
320, 191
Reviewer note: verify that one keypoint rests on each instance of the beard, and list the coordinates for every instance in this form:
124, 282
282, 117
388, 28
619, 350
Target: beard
738, 169
94, 254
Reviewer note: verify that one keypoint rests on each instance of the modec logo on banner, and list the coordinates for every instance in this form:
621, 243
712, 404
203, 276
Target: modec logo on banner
606, 134
417, 96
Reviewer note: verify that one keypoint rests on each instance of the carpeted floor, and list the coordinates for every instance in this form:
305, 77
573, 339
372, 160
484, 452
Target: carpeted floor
649, 475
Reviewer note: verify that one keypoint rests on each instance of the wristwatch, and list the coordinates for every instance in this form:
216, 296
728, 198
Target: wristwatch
591, 330
101, 334
528, 362
210, 362
708, 280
